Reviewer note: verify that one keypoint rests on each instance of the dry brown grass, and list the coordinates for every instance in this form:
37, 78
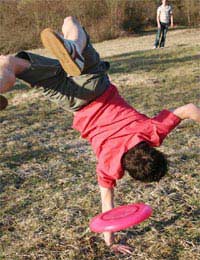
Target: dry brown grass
48, 187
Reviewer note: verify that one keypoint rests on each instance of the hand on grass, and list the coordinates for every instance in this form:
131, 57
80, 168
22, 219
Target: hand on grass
116, 248
119, 248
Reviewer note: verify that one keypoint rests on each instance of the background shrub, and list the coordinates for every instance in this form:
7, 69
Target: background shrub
22, 20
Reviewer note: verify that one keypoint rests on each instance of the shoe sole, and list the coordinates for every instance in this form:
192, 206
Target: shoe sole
56, 47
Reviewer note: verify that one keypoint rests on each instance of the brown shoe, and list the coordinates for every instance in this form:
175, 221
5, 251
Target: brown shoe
3, 102
65, 51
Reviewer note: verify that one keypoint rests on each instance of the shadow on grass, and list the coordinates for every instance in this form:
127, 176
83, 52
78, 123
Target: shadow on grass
16, 160
135, 61
161, 225
154, 30
158, 225
20, 85
7, 180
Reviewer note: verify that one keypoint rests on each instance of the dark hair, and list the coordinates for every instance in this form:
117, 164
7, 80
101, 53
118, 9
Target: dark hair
145, 163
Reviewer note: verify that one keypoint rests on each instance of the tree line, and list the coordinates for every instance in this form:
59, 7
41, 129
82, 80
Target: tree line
22, 20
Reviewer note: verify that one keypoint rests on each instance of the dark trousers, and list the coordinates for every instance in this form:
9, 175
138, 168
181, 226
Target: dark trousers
161, 35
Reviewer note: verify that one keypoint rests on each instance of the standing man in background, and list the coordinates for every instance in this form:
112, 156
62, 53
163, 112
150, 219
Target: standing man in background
164, 17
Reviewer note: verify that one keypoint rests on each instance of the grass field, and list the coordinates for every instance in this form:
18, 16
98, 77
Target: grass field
48, 186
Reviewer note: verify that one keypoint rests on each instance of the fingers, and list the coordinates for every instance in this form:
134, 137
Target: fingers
117, 248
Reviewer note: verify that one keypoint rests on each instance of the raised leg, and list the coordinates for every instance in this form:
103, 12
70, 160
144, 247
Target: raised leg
67, 48
73, 31
10, 67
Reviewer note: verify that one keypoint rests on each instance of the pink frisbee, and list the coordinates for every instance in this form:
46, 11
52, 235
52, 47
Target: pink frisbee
120, 218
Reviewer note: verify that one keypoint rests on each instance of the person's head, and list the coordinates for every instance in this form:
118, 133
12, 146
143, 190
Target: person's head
145, 163
164, 2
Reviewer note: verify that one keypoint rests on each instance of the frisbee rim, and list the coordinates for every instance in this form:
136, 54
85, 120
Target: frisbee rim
98, 224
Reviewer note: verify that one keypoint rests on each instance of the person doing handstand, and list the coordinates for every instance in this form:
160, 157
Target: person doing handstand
122, 138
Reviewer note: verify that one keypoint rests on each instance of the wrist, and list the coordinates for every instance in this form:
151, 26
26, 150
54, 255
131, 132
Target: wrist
109, 238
